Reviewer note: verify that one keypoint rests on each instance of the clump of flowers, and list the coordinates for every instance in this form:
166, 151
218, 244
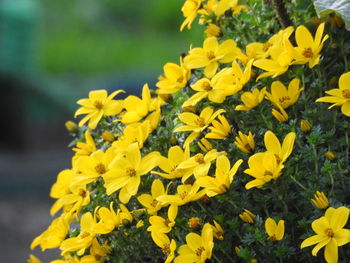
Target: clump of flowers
231, 159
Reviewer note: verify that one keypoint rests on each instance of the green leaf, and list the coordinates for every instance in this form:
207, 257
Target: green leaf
342, 7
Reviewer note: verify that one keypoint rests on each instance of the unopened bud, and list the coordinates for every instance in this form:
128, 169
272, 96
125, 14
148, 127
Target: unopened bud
330, 156
305, 125
71, 126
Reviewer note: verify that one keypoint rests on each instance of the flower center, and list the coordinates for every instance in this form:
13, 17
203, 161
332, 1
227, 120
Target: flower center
200, 122
167, 222
130, 172
346, 93
206, 86
210, 55
166, 249
266, 46
82, 193
154, 203
183, 195
283, 99
180, 79
98, 257
100, 168
308, 53
84, 235
199, 251
272, 238
98, 104
199, 158
329, 232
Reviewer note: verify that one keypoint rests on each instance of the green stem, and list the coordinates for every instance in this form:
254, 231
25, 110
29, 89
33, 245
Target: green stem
269, 126
332, 183
297, 182
347, 148
315, 158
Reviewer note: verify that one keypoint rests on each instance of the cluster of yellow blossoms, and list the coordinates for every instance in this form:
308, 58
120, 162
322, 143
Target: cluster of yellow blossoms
222, 71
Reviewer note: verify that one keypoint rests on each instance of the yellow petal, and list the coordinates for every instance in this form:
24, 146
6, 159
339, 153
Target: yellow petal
331, 251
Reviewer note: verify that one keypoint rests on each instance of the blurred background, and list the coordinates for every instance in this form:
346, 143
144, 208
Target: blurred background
51, 54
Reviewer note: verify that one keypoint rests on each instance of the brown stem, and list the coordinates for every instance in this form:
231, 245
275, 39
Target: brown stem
282, 14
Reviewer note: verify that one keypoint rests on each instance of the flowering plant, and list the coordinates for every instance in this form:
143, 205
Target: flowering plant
235, 157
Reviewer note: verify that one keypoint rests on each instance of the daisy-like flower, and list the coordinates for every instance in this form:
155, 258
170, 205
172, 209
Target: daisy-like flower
282, 96
330, 232
340, 96
223, 177
273, 145
196, 123
245, 142
98, 105
168, 247
219, 129
175, 78
190, 11
198, 248
150, 201
274, 230
211, 55
308, 48
251, 99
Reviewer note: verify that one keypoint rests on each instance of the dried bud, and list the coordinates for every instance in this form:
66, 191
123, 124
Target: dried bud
194, 222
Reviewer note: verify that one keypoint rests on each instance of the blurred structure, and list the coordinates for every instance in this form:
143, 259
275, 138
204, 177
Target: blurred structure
51, 54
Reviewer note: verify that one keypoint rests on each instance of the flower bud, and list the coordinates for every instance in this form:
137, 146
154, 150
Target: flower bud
305, 126
247, 216
108, 136
320, 200
194, 222
212, 30
330, 155
71, 126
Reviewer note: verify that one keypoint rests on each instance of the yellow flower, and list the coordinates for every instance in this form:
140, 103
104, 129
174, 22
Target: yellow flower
251, 99
84, 239
225, 5
279, 50
273, 145
134, 132
212, 30
280, 115
308, 49
97, 106
245, 142
189, 11
168, 247
185, 193
320, 200
223, 177
205, 145
169, 165
330, 233
218, 232
33, 259
274, 230
196, 123
109, 219
175, 78
127, 172
161, 225
240, 77
198, 247
211, 55
198, 164
73, 200
150, 201
247, 216
136, 108
284, 97
219, 130
53, 236
330, 155
264, 167
341, 96
83, 149
305, 125
216, 89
